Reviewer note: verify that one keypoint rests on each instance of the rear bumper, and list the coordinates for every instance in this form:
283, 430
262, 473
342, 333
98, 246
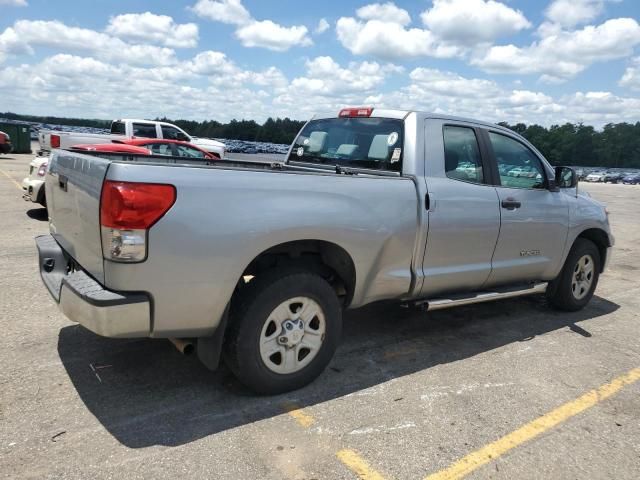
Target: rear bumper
83, 300
32, 190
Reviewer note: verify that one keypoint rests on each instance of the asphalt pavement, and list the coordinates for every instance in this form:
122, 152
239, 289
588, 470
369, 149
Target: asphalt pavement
501, 390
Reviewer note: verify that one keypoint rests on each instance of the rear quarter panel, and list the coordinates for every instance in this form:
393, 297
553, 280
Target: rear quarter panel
223, 219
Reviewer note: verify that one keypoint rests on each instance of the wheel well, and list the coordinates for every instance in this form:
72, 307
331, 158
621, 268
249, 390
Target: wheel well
601, 240
329, 260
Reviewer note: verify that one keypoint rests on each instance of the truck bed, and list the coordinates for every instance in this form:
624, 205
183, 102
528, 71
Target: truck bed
225, 215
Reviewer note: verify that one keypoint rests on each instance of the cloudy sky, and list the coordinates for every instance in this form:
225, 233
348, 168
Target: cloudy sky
543, 61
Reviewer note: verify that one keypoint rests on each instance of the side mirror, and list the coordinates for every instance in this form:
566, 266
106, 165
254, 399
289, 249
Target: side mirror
566, 177
182, 137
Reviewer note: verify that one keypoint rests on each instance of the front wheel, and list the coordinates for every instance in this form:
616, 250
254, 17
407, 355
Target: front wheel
574, 287
284, 328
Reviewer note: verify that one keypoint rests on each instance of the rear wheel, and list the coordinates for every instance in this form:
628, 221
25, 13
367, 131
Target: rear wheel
574, 287
284, 329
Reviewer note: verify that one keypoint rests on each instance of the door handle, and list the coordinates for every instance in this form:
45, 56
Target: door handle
511, 203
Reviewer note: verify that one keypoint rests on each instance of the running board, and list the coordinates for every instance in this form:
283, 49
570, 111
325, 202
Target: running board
440, 303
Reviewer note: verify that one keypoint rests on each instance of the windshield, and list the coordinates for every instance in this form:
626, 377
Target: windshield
374, 143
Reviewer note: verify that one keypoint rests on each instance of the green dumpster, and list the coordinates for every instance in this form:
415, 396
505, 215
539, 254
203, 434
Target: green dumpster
20, 136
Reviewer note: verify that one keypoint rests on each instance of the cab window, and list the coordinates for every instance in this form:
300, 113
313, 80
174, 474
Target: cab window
518, 166
462, 158
144, 130
118, 128
190, 152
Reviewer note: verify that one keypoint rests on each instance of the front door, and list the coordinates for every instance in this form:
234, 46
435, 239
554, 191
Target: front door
534, 220
463, 217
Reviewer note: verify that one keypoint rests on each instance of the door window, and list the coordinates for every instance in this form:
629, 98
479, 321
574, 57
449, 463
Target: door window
518, 166
462, 158
160, 148
144, 130
172, 133
190, 152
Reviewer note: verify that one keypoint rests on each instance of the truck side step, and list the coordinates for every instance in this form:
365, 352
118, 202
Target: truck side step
479, 297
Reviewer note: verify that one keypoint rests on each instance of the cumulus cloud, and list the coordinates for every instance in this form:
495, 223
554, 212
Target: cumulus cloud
322, 27
451, 84
253, 33
453, 28
470, 21
386, 12
440, 92
225, 11
390, 40
85, 86
150, 28
569, 13
270, 35
324, 76
563, 54
26, 34
13, 3
631, 77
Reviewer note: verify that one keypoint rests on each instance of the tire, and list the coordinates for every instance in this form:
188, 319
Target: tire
573, 288
261, 314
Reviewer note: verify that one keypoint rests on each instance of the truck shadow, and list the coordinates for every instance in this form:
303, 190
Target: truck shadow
38, 214
145, 393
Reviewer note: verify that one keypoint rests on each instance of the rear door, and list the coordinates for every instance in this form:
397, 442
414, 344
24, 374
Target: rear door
73, 188
534, 220
145, 130
463, 216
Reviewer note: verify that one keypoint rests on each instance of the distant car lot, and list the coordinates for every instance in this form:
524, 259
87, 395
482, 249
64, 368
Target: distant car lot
408, 395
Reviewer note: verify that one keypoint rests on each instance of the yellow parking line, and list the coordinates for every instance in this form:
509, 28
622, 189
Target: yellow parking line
304, 419
357, 465
534, 428
10, 178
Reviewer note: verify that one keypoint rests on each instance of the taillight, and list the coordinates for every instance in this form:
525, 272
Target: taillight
127, 211
55, 141
356, 112
42, 170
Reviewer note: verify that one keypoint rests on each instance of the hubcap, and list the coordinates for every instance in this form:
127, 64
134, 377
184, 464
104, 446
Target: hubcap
292, 335
582, 277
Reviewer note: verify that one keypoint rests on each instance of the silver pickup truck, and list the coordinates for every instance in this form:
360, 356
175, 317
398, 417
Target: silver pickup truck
254, 263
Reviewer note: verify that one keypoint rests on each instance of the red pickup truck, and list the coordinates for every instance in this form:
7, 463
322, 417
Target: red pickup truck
5, 143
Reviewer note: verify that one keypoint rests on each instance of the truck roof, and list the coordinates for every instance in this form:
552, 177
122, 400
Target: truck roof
401, 114
139, 120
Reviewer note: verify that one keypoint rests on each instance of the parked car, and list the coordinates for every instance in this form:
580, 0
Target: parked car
612, 177
127, 129
5, 143
632, 179
33, 185
595, 177
151, 146
258, 261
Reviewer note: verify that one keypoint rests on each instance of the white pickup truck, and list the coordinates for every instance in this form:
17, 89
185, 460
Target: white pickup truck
124, 129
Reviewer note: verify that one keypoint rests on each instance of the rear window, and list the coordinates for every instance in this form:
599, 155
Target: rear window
117, 128
145, 130
374, 143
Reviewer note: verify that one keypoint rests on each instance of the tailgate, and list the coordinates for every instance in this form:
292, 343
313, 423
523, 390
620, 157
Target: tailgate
73, 186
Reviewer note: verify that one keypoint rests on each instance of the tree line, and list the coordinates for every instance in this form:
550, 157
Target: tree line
279, 130
616, 145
